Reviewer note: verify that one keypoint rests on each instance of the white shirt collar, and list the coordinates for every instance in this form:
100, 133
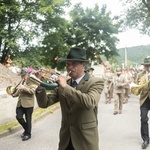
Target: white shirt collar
79, 79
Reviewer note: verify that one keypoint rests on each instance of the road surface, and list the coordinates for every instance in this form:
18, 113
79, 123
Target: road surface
116, 132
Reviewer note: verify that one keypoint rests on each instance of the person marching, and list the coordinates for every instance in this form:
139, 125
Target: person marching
89, 70
26, 95
79, 97
143, 78
119, 83
128, 79
108, 85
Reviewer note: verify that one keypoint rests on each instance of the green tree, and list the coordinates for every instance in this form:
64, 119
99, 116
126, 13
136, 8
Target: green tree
94, 30
24, 21
137, 15
38, 28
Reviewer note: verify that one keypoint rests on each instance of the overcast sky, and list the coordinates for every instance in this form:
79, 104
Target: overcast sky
129, 38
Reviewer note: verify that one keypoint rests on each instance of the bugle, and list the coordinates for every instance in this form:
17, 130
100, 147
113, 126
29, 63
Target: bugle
38, 82
137, 89
12, 89
47, 75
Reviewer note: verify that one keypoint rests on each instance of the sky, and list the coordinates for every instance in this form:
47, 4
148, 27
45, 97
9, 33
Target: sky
131, 37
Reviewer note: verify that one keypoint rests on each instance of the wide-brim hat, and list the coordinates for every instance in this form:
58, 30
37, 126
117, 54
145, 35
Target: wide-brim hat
23, 72
88, 67
146, 61
75, 54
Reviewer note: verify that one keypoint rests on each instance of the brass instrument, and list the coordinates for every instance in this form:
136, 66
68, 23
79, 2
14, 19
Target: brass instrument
47, 75
136, 89
11, 89
38, 82
49, 80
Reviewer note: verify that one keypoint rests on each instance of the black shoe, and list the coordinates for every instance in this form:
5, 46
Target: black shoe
23, 134
145, 144
26, 137
115, 113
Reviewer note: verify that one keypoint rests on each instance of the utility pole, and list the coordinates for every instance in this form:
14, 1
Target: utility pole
125, 54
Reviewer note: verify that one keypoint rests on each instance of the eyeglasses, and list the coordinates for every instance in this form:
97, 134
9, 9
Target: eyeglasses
73, 63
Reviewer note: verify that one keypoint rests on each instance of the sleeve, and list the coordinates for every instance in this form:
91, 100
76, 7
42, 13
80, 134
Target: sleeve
43, 99
87, 98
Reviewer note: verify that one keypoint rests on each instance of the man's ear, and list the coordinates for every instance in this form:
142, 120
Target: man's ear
84, 64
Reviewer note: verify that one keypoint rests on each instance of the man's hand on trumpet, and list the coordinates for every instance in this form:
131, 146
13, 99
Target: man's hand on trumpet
61, 80
20, 87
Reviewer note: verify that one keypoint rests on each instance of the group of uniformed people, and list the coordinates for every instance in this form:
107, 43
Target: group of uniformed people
79, 102
117, 86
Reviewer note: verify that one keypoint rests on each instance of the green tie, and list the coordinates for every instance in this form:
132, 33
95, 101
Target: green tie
74, 84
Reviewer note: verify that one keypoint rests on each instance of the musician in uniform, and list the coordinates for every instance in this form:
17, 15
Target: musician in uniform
108, 84
128, 79
89, 70
143, 78
119, 83
26, 95
79, 97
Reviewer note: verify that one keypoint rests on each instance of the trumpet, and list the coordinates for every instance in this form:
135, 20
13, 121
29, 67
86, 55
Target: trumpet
137, 89
11, 89
47, 75
50, 84
38, 82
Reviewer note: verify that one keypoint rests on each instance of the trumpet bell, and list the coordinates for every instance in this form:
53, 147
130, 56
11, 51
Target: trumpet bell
35, 80
38, 82
10, 90
135, 89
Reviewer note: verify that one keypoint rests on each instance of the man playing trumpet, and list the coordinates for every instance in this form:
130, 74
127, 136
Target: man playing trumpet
78, 97
143, 78
25, 92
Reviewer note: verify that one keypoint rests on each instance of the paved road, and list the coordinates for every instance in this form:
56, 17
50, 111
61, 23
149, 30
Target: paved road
120, 132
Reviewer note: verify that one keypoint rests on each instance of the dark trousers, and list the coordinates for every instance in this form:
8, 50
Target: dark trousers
144, 120
70, 146
25, 122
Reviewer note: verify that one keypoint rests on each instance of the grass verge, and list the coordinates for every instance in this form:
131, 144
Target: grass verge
38, 112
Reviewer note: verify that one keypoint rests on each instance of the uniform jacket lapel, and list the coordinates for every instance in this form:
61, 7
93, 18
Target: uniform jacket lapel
79, 86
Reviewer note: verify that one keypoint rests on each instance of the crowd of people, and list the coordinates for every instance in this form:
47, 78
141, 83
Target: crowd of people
118, 86
79, 93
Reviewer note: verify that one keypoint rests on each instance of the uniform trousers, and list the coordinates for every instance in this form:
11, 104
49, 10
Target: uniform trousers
25, 122
118, 102
144, 119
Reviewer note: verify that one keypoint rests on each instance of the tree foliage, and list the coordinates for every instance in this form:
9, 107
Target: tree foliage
137, 15
94, 30
36, 33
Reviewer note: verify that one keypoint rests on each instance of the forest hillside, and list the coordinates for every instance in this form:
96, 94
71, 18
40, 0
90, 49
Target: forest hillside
135, 55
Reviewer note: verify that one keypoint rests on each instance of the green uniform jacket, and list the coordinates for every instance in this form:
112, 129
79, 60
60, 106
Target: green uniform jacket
27, 95
79, 112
